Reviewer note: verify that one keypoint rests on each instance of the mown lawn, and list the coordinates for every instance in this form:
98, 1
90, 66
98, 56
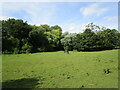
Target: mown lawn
59, 70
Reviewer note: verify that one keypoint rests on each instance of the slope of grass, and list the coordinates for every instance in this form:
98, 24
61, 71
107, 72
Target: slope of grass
59, 70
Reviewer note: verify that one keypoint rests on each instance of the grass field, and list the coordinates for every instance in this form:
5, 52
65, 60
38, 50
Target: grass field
59, 70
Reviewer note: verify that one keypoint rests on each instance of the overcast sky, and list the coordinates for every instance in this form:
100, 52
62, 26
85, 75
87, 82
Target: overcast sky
71, 16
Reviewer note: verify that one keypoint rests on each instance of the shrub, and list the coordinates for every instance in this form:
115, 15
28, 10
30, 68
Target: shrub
16, 51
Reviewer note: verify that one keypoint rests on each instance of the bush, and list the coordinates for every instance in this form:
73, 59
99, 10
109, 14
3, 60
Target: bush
66, 47
42, 49
16, 51
29, 49
26, 48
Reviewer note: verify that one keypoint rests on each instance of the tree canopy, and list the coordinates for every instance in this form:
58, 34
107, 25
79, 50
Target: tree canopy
20, 37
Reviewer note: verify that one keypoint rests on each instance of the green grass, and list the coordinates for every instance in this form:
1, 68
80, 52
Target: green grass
59, 70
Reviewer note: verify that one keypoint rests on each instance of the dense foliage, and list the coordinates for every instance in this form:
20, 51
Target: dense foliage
20, 37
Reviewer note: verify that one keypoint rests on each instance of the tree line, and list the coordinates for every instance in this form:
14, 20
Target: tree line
20, 37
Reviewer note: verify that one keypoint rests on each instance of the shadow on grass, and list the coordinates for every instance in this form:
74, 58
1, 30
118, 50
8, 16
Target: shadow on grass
21, 83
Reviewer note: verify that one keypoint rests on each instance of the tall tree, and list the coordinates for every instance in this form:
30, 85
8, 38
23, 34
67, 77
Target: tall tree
68, 40
38, 40
14, 29
86, 41
108, 38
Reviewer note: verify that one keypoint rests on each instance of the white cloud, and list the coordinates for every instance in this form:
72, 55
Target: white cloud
79, 27
34, 13
111, 22
109, 25
93, 9
111, 18
5, 17
73, 28
43, 14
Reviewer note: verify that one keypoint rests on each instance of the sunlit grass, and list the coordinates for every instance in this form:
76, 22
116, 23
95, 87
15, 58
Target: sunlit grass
62, 70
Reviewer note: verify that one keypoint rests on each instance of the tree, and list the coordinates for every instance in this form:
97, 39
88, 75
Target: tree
45, 28
20, 37
38, 40
53, 35
118, 40
68, 41
94, 27
13, 29
86, 41
16, 28
10, 44
56, 32
108, 38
